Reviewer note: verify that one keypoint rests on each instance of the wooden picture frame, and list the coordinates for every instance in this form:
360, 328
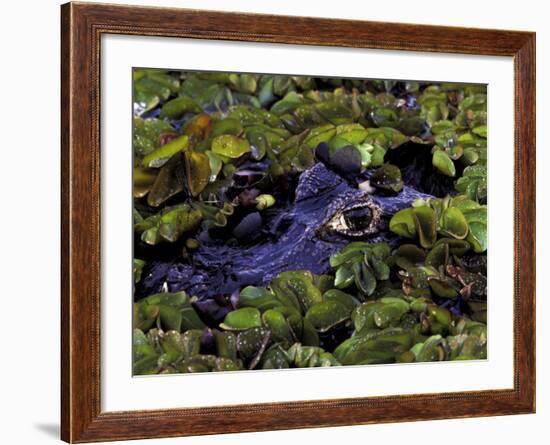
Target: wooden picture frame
82, 26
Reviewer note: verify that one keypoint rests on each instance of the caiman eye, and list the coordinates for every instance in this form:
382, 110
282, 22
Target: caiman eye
356, 220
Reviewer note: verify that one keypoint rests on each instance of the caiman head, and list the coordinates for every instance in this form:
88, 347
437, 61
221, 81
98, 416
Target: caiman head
327, 213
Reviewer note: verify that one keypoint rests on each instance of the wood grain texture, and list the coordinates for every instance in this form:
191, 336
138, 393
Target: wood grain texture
82, 27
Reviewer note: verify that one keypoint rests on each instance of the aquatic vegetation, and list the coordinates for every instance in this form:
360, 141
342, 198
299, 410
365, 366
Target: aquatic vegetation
291, 222
458, 218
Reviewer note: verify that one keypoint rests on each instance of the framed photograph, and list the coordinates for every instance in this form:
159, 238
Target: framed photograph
275, 222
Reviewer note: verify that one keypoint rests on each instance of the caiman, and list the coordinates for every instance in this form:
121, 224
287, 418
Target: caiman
328, 211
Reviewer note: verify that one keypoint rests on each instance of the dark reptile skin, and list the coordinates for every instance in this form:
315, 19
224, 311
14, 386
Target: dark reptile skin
294, 240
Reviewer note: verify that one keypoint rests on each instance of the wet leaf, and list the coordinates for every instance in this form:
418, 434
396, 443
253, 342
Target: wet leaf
276, 322
376, 347
326, 315
409, 255
346, 300
143, 180
230, 146
388, 177
252, 344
354, 134
477, 236
241, 319
226, 126
296, 289
438, 255
442, 127
364, 278
138, 268
168, 225
442, 287
403, 223
425, 224
259, 298
480, 131
443, 163
310, 356
275, 358
453, 223
473, 183
144, 355
287, 103
226, 345
431, 350
216, 164
191, 343
158, 157
320, 134
147, 133
197, 171
176, 108
264, 201
259, 144
169, 181
344, 277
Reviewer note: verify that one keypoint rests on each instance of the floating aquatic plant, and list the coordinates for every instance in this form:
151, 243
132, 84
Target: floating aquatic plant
458, 218
235, 267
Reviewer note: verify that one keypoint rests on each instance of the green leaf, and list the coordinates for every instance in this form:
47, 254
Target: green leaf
259, 298
144, 355
352, 250
320, 134
226, 126
388, 177
348, 301
425, 225
176, 108
287, 103
145, 101
327, 314
169, 224
216, 164
377, 347
138, 268
170, 318
168, 182
443, 163
241, 319
403, 223
152, 86
453, 223
443, 126
480, 131
147, 133
477, 237
157, 158
296, 289
230, 146
473, 182
197, 169
364, 278
226, 345
276, 322
344, 277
